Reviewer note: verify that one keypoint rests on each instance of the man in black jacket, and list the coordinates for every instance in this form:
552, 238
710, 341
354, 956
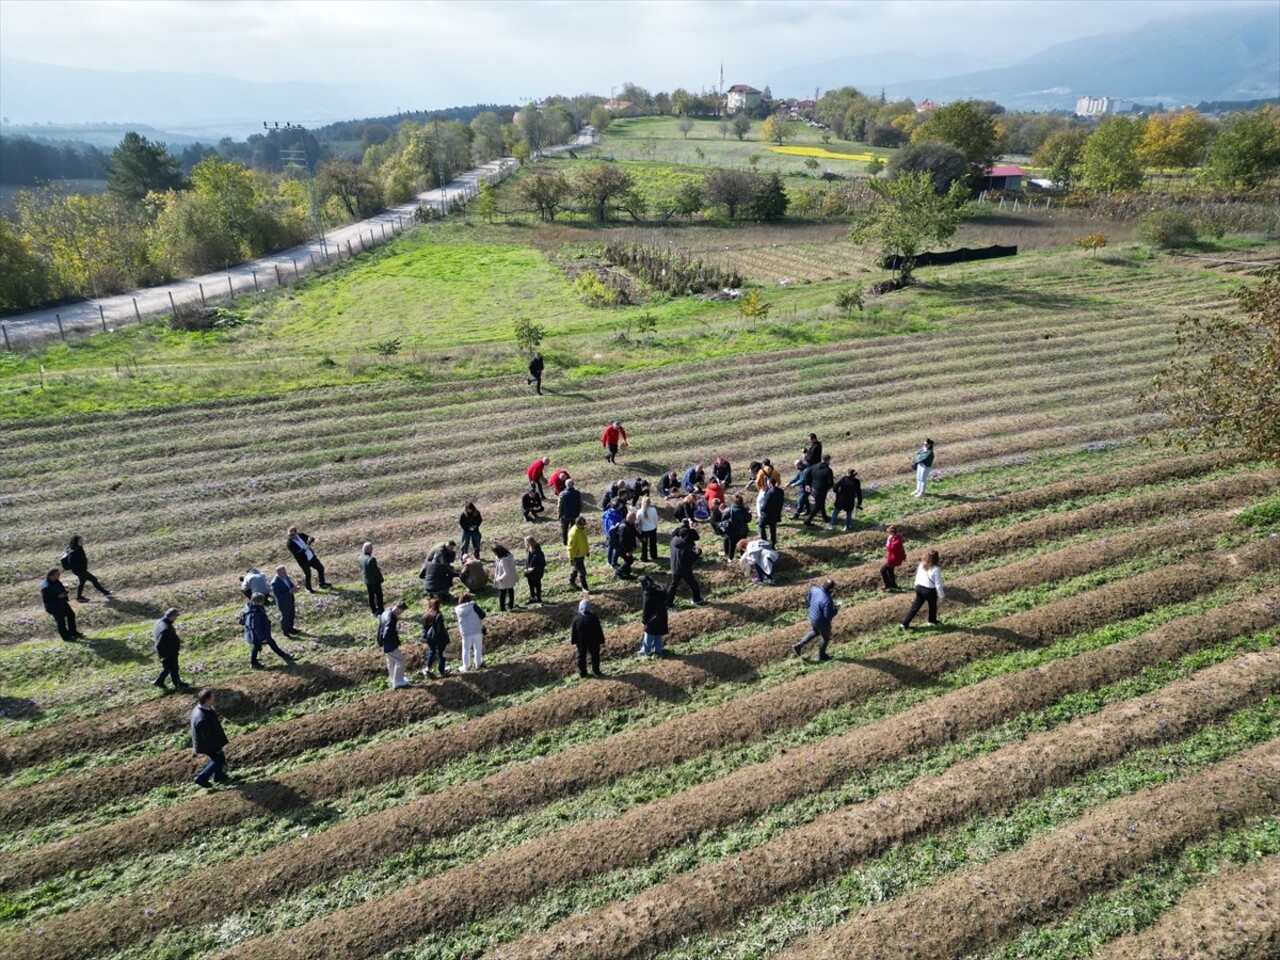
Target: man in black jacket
164, 637
437, 577
848, 498
208, 739
570, 508
300, 545
371, 574
682, 560
821, 480
813, 452
771, 506
535, 372
56, 604
587, 635
623, 539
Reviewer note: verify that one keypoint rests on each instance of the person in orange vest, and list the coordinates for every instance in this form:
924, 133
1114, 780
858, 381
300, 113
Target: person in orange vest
612, 437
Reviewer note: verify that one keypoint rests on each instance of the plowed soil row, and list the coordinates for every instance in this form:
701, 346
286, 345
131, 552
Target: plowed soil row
259, 693
1235, 915
368, 840
713, 895
42, 802
986, 906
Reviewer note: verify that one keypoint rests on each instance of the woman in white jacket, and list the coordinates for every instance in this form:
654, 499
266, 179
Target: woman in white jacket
647, 527
758, 558
928, 589
505, 577
471, 631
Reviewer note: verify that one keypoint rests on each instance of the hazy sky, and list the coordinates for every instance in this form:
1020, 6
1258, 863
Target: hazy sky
465, 51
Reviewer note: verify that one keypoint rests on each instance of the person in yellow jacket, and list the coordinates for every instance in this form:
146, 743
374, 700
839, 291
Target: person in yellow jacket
578, 549
766, 473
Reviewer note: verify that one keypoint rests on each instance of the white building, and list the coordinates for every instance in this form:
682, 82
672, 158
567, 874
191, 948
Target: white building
1097, 106
742, 97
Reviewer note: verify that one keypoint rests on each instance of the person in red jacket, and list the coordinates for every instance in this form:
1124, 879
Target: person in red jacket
613, 436
714, 491
558, 481
895, 555
537, 473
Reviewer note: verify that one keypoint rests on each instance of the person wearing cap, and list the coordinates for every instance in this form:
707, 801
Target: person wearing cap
283, 588
587, 635
613, 436
208, 739
164, 637
822, 610
371, 574
389, 641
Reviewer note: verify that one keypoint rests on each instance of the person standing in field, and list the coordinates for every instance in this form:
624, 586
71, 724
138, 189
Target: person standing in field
653, 616
822, 610
895, 555
647, 527
257, 631
504, 577
769, 506
767, 473
77, 561
812, 454
821, 480
471, 632
614, 436
208, 739
283, 589
801, 481
56, 603
613, 515
470, 521
389, 641
587, 635
536, 367
535, 565
301, 546
924, 466
436, 636
622, 542
537, 473
682, 560
848, 498
929, 589
371, 574
569, 508
164, 637
578, 549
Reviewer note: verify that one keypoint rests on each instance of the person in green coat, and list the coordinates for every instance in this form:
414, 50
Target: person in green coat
924, 464
371, 574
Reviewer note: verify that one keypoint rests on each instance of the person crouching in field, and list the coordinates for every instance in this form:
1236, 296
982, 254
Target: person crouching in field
436, 636
895, 555
531, 504
389, 640
758, 558
471, 632
928, 589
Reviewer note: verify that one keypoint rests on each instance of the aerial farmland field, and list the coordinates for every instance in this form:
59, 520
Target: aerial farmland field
1082, 759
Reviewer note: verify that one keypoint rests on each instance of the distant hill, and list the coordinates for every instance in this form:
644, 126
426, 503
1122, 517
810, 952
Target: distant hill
104, 135
1229, 54
869, 72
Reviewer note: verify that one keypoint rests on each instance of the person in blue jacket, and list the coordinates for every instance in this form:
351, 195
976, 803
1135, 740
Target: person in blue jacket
822, 610
257, 631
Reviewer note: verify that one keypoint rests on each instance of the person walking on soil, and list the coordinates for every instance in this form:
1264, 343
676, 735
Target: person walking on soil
924, 466
257, 631
821, 480
536, 367
470, 521
895, 555
647, 527
578, 549
801, 481
164, 637
587, 635
77, 561
569, 509
822, 610
682, 560
614, 436
653, 616
389, 641
537, 473
535, 565
371, 574
54, 596
769, 506
622, 542
301, 546
436, 636
848, 493
209, 740
283, 589
471, 632
505, 577
928, 589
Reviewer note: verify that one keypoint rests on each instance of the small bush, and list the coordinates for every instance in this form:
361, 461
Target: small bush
849, 300
596, 293
754, 307
387, 348
1166, 229
1092, 241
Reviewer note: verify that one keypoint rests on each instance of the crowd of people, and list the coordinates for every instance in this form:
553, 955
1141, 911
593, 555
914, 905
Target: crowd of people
699, 500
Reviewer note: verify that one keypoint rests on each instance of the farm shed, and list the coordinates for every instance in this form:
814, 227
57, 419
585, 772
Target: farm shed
1003, 176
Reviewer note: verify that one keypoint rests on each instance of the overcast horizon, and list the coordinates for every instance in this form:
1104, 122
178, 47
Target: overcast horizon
440, 53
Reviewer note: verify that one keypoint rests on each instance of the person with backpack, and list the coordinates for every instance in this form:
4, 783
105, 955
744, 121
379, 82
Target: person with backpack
822, 610
301, 545
283, 590
767, 473
929, 589
769, 506
578, 549
924, 466
848, 493
504, 577
895, 555
389, 640
622, 544
164, 637
208, 739
653, 617
371, 574
535, 565
647, 528
470, 521
436, 636
54, 597
77, 561
587, 635
569, 509
257, 631
682, 561
471, 631
821, 480
614, 436
536, 366
734, 522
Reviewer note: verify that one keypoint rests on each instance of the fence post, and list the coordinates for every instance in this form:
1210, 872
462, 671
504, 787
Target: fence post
231, 290
103, 317
349, 253
384, 230
172, 306
313, 260
136, 312
279, 282
255, 281
62, 333
203, 302
295, 267
6, 337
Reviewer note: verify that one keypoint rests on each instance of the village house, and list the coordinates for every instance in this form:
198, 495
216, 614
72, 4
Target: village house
742, 97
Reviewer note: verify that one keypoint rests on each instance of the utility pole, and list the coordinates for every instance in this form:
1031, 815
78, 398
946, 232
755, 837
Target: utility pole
444, 194
296, 156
